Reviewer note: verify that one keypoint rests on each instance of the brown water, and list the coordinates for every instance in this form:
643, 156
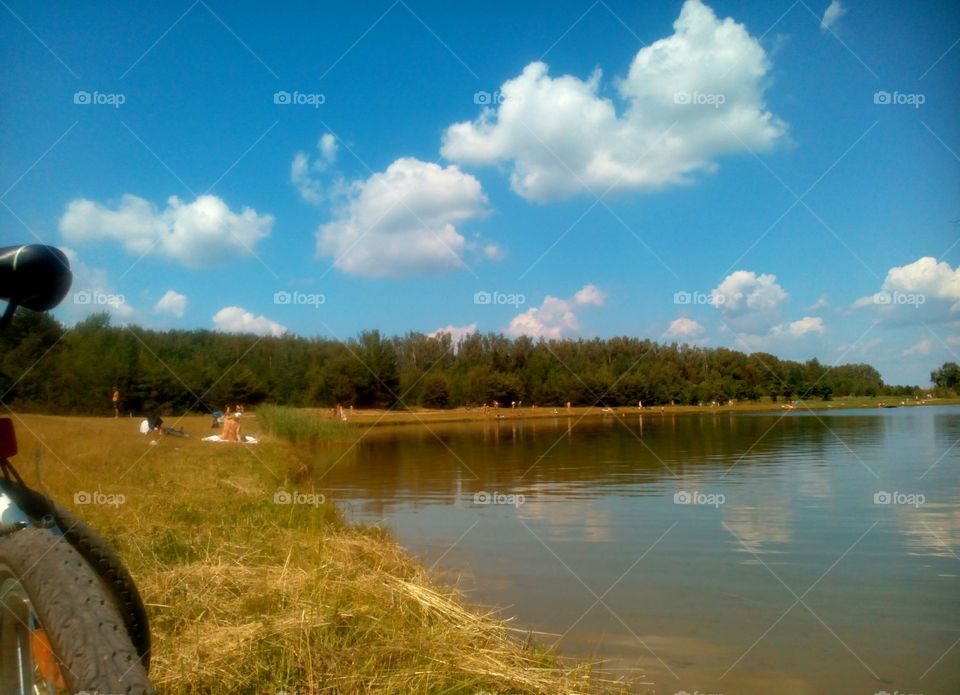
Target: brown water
784, 575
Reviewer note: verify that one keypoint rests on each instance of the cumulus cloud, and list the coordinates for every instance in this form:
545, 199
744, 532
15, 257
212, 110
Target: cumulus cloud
172, 303
556, 317
687, 99
234, 319
304, 169
781, 336
684, 329
925, 290
821, 303
457, 333
799, 328
922, 347
197, 234
403, 221
835, 10
749, 302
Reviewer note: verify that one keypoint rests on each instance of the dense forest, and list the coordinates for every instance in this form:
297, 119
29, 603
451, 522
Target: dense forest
47, 367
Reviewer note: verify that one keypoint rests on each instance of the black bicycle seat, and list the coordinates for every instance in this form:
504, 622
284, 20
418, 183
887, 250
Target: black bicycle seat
34, 276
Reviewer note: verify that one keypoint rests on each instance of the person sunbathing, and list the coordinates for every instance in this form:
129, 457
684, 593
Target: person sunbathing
231, 429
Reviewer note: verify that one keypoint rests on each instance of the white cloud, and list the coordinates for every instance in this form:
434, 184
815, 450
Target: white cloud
493, 252
172, 303
201, 233
561, 136
402, 221
799, 328
555, 317
821, 303
303, 170
923, 347
590, 295
782, 336
684, 329
925, 290
835, 10
92, 292
457, 333
234, 319
749, 302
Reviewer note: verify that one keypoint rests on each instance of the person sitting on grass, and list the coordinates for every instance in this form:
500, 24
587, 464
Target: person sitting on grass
231, 429
155, 424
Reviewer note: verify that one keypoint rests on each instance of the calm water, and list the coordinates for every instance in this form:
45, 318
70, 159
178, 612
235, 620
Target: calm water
783, 576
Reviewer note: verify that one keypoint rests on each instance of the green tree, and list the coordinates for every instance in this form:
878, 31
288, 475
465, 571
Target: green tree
947, 377
435, 393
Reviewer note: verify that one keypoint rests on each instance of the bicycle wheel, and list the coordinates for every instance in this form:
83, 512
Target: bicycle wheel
59, 630
101, 558
114, 573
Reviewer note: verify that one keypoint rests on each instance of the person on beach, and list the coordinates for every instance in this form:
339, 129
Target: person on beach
231, 429
116, 402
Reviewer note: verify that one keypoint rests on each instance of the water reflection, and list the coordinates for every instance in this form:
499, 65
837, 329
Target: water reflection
598, 511
933, 529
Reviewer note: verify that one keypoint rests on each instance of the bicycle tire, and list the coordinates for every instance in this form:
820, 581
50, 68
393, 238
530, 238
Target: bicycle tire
81, 622
101, 557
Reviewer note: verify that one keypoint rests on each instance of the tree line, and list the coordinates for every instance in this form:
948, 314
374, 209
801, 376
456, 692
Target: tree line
46, 367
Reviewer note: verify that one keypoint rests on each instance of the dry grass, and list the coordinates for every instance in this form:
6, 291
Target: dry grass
247, 595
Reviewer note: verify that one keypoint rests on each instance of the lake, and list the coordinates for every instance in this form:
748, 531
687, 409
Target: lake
789, 552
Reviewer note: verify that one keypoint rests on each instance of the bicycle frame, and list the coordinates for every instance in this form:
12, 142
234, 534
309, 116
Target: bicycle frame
11, 515
16, 513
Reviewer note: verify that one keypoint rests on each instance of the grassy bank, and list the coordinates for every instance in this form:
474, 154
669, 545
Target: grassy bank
299, 426
256, 585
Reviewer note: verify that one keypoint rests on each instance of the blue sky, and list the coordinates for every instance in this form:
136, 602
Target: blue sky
601, 168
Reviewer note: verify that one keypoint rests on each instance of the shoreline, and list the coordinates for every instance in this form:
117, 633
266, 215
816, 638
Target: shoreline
374, 417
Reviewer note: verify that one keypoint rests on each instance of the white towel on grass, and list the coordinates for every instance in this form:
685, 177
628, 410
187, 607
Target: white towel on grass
247, 439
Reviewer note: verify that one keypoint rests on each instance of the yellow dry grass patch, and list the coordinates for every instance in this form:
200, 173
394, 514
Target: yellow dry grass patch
250, 596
